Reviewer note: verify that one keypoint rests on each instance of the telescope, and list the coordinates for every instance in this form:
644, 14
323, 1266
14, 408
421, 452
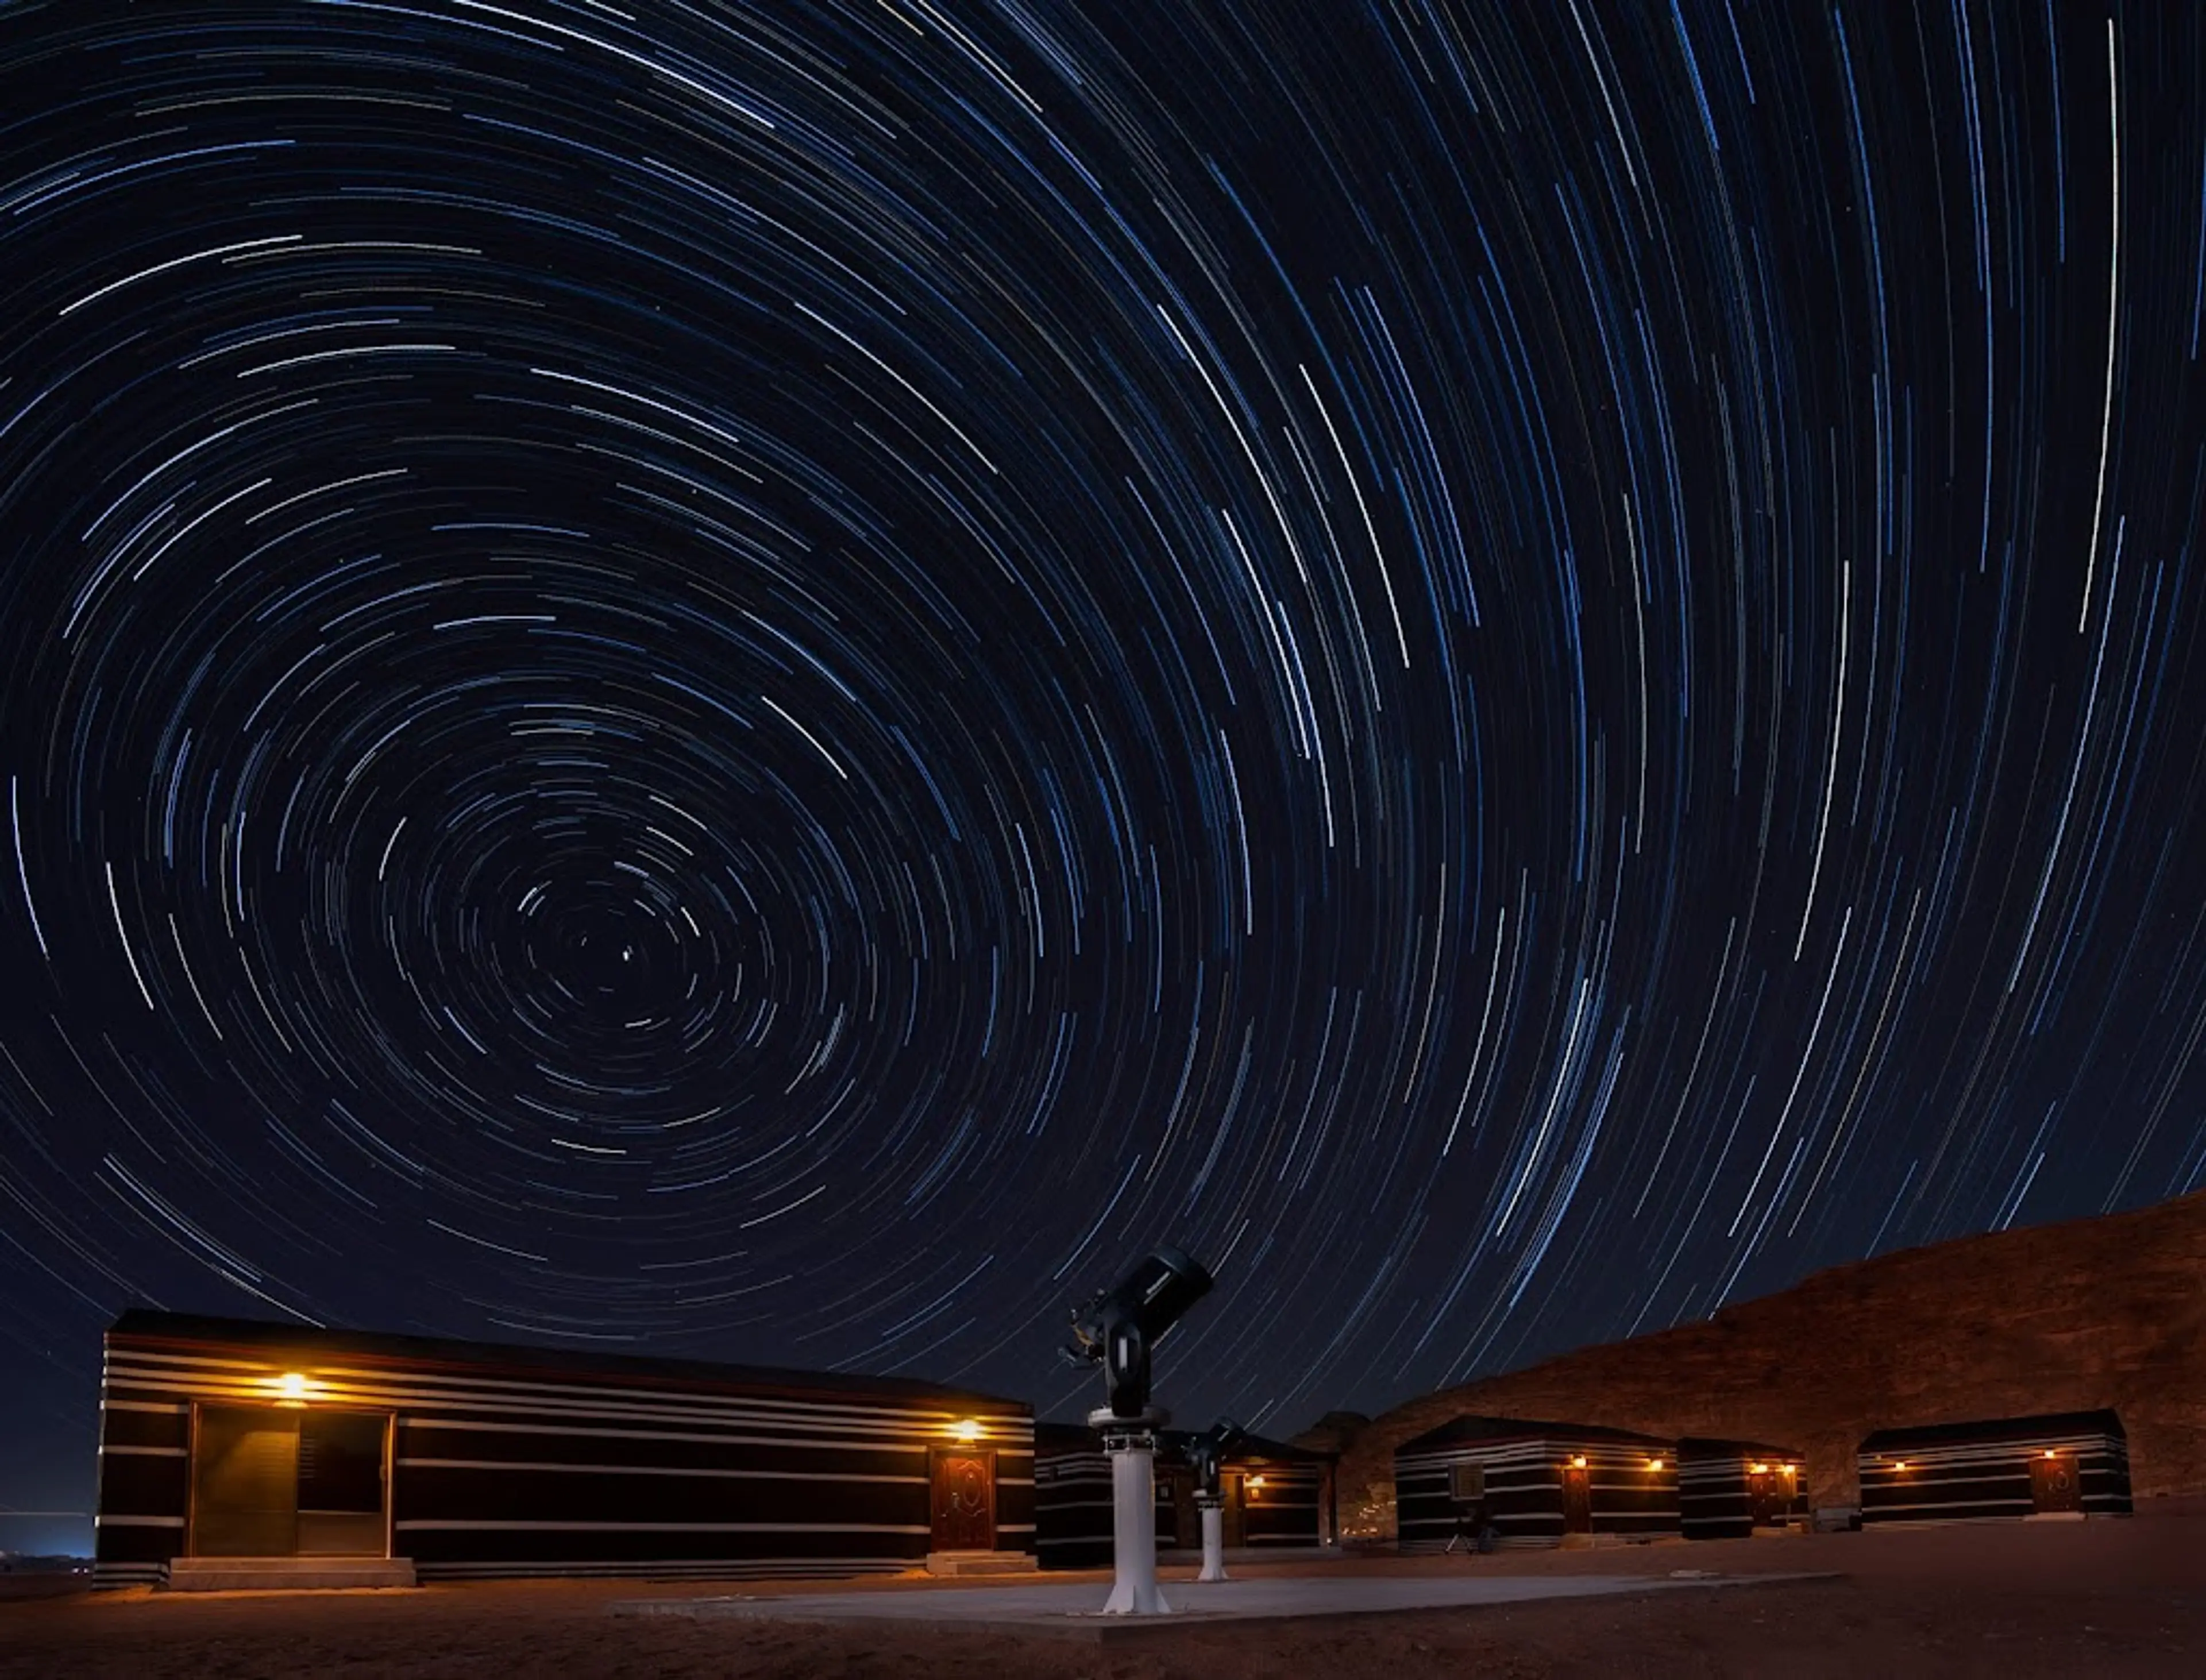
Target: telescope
1207, 1453
1118, 1331
1119, 1327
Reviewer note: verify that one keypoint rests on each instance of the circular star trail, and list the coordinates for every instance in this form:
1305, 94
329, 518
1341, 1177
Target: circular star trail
772, 681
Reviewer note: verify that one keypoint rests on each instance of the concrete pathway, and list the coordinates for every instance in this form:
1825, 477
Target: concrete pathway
1073, 1608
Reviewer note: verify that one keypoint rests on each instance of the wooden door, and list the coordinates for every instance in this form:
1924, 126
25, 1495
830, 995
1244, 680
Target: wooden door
1234, 1519
2053, 1483
1577, 1499
1767, 1496
964, 1499
1186, 1527
245, 1482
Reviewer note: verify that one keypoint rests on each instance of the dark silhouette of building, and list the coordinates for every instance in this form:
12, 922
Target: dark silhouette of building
2068, 1464
226, 1439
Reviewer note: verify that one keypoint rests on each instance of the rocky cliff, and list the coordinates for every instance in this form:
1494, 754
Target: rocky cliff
2105, 1312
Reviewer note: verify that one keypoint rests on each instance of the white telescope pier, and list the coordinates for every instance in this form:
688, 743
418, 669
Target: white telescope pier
1213, 1537
1132, 1445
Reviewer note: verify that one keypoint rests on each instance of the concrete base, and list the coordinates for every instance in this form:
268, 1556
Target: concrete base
251, 1574
1191, 1556
1074, 1610
980, 1562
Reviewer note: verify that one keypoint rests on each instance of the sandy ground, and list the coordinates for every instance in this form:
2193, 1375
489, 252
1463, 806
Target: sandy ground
2111, 1599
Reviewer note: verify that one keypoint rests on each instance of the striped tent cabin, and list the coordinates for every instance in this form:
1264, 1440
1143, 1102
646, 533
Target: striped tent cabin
1534, 1484
2067, 1464
1072, 1499
1728, 1489
229, 1439
1276, 1497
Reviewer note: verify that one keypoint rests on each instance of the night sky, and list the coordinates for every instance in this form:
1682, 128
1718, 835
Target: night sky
769, 681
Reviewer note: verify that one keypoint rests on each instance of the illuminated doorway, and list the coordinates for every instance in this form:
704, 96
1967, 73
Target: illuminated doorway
1577, 1499
1770, 1490
1233, 1524
962, 1481
275, 1482
2053, 1486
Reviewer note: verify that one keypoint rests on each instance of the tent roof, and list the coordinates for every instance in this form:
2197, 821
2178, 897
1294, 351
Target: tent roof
144, 1327
1709, 1447
1474, 1428
1998, 1429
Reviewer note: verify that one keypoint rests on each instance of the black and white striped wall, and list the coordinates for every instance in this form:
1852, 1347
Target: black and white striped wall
1519, 1467
2058, 1464
1280, 1496
507, 1461
1073, 1499
1285, 1494
1728, 1489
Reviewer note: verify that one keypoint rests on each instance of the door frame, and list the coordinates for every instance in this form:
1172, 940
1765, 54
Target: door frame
936, 1456
390, 1469
1582, 1475
387, 1470
1233, 1516
187, 1547
191, 1544
1187, 1519
2041, 1466
1765, 1506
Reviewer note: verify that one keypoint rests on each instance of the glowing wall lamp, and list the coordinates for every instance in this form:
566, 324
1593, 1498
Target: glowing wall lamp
1577, 1460
1654, 1463
292, 1385
1758, 1470
967, 1430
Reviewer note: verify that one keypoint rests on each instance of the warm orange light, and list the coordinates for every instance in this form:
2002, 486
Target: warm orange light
1759, 1469
2050, 1453
1900, 1463
1654, 1463
1577, 1462
1255, 1482
1790, 1469
967, 1430
292, 1385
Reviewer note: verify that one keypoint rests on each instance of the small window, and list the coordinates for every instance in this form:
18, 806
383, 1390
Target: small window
1467, 1482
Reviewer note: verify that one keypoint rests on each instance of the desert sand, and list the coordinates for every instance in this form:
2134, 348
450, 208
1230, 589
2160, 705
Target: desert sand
2111, 1598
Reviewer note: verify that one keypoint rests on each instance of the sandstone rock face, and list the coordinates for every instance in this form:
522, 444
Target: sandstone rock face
1333, 1432
2105, 1312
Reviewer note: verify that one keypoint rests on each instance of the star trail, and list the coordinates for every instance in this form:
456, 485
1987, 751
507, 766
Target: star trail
769, 680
